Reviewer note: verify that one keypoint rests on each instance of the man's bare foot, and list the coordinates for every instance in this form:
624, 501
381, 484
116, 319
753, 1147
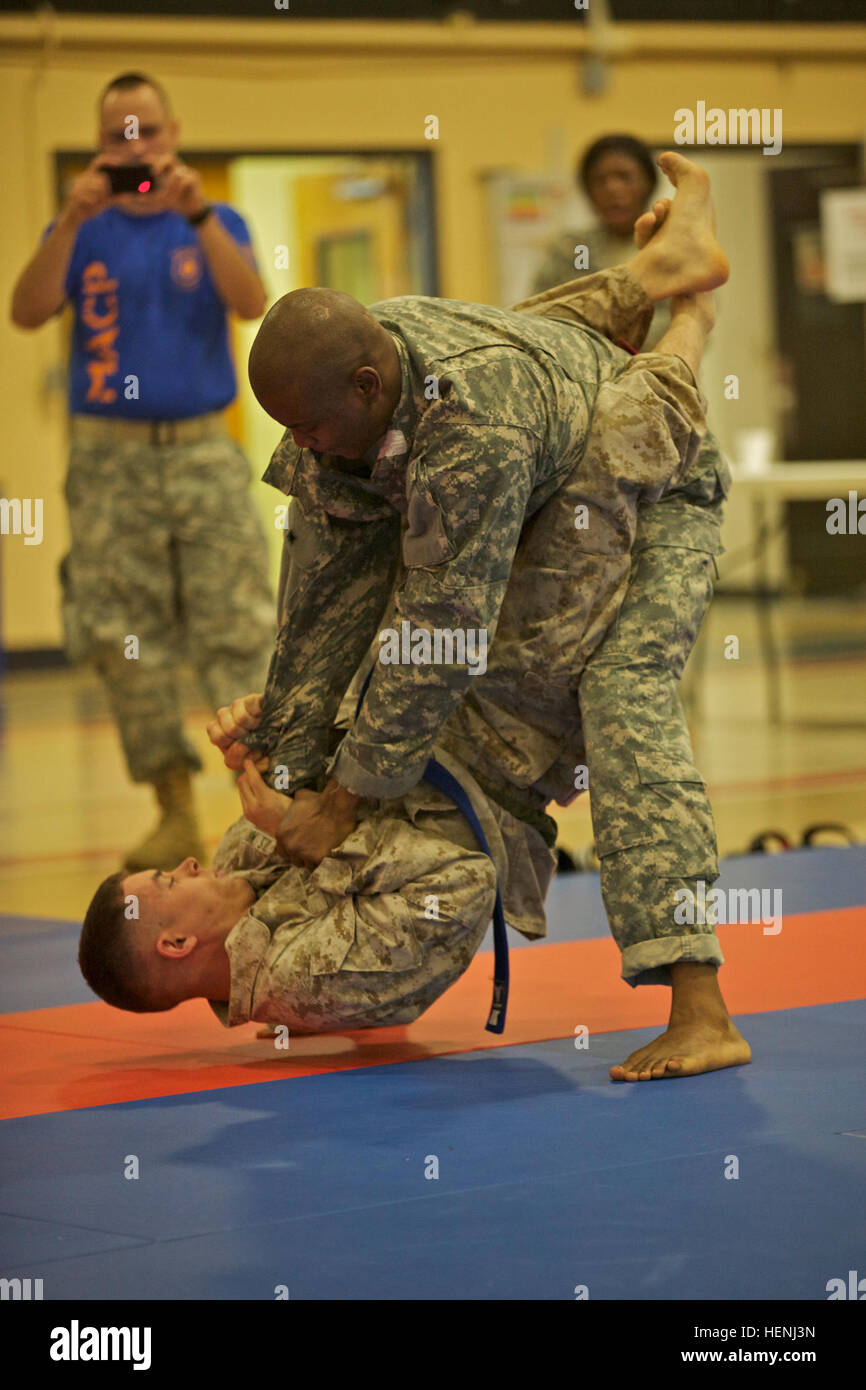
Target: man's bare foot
649, 222
700, 305
686, 1049
680, 254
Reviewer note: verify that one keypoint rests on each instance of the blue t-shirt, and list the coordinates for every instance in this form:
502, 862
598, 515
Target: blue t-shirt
147, 308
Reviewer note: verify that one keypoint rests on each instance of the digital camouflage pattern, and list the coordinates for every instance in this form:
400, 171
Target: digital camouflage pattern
386, 923
652, 821
524, 406
166, 547
523, 736
651, 816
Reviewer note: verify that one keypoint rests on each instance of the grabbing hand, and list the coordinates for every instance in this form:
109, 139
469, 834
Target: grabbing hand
263, 807
316, 823
228, 727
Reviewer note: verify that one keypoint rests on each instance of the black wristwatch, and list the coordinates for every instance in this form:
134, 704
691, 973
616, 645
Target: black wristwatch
198, 217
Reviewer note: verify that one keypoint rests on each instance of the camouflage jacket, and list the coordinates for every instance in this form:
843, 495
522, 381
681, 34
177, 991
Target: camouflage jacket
387, 922
499, 411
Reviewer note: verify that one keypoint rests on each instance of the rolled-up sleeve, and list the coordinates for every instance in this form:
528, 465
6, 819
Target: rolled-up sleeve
648, 423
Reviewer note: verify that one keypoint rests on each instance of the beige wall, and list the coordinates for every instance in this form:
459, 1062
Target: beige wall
504, 96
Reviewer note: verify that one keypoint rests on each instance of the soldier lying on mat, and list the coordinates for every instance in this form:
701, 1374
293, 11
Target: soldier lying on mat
372, 937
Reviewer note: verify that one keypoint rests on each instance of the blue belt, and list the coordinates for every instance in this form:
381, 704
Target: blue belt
444, 781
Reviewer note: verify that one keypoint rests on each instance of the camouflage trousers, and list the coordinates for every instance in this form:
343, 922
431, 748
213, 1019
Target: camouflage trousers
168, 563
651, 816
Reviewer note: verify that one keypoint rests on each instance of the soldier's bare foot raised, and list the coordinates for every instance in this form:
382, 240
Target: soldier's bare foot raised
678, 253
646, 227
649, 222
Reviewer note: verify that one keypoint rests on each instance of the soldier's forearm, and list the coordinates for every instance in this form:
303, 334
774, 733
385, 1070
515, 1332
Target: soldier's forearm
295, 761
328, 623
237, 283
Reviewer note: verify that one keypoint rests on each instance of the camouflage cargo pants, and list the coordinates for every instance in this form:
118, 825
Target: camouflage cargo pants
168, 563
651, 815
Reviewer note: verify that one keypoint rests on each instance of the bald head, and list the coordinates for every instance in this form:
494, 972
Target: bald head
318, 337
326, 369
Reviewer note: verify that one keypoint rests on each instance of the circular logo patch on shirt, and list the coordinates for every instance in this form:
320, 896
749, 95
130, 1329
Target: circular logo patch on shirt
186, 267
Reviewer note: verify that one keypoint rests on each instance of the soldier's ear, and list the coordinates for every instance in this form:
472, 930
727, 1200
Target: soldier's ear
175, 945
368, 381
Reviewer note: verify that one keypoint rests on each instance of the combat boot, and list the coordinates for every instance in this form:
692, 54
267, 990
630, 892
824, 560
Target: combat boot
177, 835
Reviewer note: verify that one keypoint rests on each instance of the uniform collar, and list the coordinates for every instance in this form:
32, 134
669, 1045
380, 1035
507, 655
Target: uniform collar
245, 945
248, 853
400, 436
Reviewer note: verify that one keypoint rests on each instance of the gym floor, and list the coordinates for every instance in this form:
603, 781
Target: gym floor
439, 1160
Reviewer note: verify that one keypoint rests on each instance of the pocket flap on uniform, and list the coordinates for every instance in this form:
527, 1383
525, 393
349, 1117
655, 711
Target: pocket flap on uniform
659, 767
384, 935
424, 541
618, 837
303, 539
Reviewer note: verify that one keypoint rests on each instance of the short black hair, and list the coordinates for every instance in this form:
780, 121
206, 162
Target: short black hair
127, 81
617, 144
106, 955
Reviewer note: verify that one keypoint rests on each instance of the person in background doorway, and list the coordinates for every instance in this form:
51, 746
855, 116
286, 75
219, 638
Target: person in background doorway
618, 175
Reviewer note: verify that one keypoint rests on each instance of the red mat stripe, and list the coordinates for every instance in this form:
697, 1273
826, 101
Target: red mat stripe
90, 1054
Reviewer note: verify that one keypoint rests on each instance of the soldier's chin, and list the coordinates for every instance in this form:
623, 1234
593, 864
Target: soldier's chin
620, 220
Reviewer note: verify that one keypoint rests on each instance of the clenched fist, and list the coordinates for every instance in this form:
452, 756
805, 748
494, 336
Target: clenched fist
316, 823
226, 731
267, 809
262, 807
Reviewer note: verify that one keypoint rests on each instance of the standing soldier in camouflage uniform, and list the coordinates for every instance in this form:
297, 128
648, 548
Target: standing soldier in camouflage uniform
489, 420
168, 557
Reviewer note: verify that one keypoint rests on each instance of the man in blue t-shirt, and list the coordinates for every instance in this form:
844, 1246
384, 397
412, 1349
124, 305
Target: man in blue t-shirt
168, 557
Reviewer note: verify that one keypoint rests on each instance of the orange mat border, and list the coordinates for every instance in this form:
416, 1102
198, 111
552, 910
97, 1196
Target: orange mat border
83, 1055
